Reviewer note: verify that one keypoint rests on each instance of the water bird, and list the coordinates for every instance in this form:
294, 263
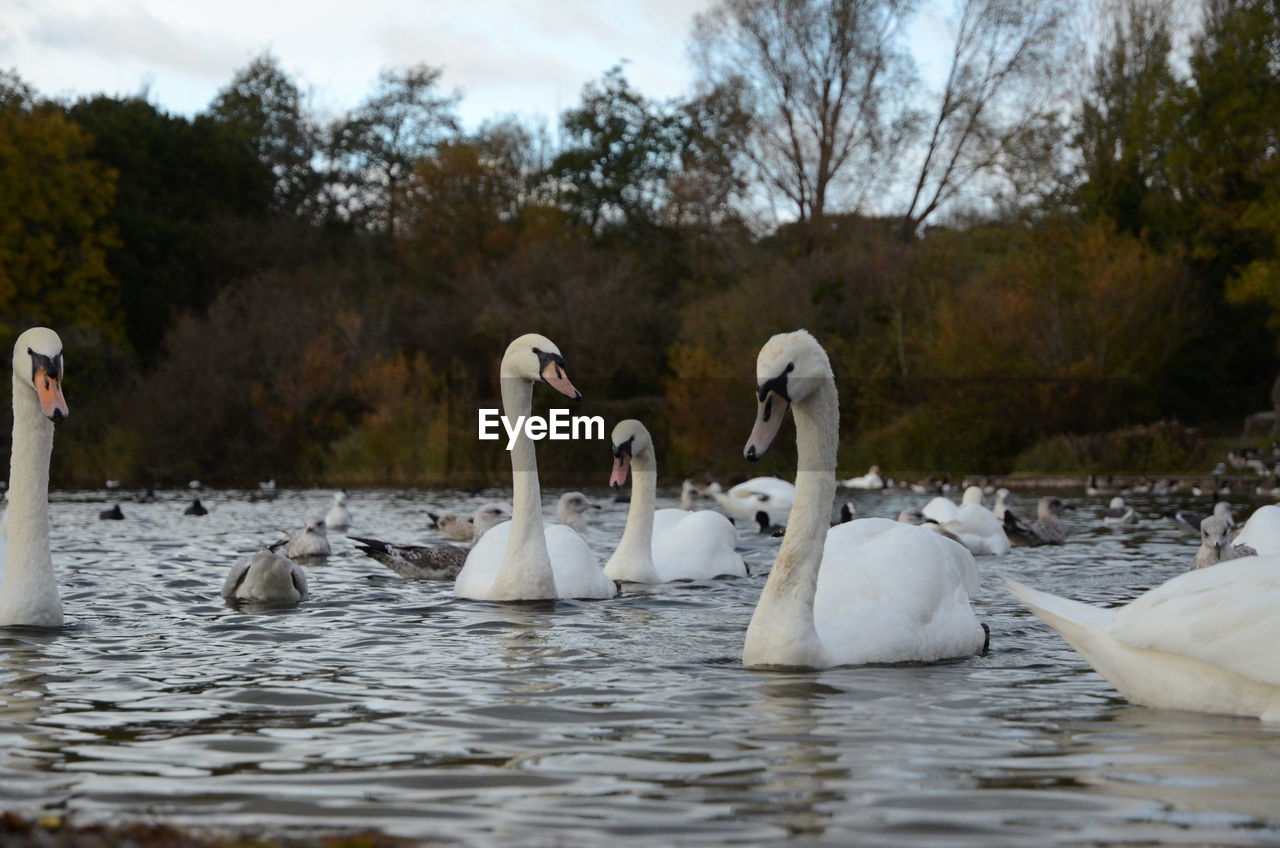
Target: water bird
113, 514
768, 528
148, 496
28, 583
743, 501
870, 480
1216, 544
441, 561
871, 590
1262, 531
1001, 504
1044, 530
1118, 512
571, 510
524, 559
338, 517
113, 484
461, 528
915, 515
1203, 641
1190, 520
664, 544
975, 526
311, 541
195, 508
266, 577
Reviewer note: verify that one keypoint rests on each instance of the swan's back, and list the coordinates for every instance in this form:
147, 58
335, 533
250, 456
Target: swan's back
578, 574
777, 490
941, 510
694, 546
979, 530
1262, 531
480, 571
894, 592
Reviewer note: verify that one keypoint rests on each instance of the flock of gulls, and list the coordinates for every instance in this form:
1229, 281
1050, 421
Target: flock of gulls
856, 591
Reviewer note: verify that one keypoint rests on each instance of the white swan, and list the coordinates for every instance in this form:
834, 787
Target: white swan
1262, 531
759, 494
669, 544
870, 480
338, 517
973, 524
1203, 641
524, 559
571, 510
870, 590
266, 577
28, 585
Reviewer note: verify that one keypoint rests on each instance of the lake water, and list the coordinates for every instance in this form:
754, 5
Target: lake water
388, 704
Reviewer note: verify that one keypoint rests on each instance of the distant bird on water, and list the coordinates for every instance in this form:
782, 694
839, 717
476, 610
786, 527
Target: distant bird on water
196, 508
113, 514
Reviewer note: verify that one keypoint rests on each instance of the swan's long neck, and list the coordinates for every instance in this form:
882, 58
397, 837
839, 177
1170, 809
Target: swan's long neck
633, 560
525, 572
29, 593
782, 630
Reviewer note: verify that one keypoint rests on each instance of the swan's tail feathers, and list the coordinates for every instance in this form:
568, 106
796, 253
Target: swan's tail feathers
1072, 619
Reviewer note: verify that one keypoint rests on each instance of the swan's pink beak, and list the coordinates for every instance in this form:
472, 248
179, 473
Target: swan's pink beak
555, 377
49, 389
621, 463
768, 422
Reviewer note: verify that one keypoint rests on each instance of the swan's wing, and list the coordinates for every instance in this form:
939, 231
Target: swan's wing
238, 572
772, 490
941, 510
578, 573
1262, 531
979, 530
694, 545
1224, 616
480, 570
299, 578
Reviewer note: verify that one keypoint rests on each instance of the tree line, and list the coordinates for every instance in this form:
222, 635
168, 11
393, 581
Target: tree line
1058, 232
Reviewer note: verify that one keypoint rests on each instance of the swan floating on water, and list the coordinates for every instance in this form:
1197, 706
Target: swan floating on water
870, 480
571, 510
871, 590
28, 584
1203, 641
666, 544
266, 577
759, 494
338, 517
975, 526
432, 562
524, 559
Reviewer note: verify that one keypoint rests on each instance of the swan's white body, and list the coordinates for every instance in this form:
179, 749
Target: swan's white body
973, 524
759, 494
667, 544
338, 517
869, 590
1204, 641
524, 559
870, 480
28, 584
266, 577
1262, 531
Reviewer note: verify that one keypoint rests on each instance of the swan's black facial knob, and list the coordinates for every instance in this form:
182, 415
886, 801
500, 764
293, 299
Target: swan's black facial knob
751, 453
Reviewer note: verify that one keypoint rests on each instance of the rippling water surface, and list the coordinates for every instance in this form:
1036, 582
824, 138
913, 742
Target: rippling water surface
389, 704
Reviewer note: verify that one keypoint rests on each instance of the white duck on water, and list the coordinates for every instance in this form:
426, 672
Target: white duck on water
870, 590
28, 584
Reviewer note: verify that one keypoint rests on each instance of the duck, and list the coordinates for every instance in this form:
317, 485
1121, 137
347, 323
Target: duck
870, 480
195, 508
28, 583
432, 562
767, 494
311, 541
1118, 512
266, 577
113, 514
1044, 530
867, 591
1262, 531
975, 526
1203, 641
524, 559
666, 544
338, 517
1216, 544
571, 510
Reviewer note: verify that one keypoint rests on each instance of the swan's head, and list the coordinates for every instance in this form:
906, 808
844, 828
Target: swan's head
536, 358
790, 368
37, 362
630, 437
972, 495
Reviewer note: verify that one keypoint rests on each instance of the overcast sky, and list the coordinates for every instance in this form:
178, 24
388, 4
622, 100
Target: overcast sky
528, 57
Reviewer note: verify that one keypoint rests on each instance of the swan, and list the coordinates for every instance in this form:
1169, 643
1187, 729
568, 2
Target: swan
266, 577
975, 526
759, 494
28, 585
669, 544
871, 590
523, 559
870, 480
1119, 513
432, 562
310, 541
338, 517
1216, 545
1262, 531
1203, 641
571, 510
1001, 505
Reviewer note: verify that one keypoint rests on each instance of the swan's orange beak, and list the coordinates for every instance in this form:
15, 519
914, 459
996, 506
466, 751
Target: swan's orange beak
49, 389
773, 408
555, 377
621, 463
